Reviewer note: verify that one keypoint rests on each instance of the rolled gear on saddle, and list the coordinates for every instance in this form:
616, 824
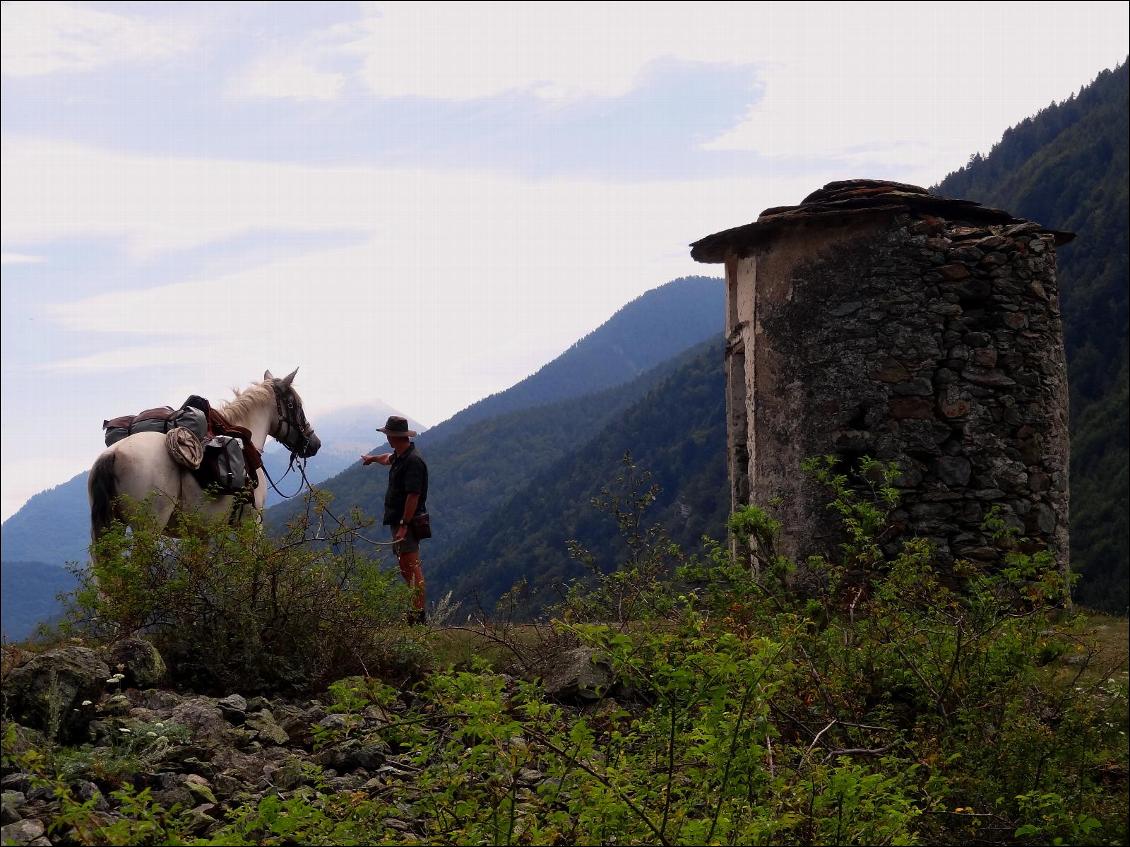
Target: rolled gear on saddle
184, 447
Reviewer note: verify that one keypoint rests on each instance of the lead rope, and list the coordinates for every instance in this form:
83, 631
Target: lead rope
300, 464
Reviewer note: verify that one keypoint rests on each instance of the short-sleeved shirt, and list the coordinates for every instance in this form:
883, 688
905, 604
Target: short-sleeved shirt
408, 474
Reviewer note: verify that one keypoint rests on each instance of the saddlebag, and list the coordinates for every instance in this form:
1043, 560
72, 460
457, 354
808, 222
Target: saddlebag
224, 469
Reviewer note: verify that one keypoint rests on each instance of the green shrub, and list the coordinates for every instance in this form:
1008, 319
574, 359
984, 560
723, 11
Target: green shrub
230, 607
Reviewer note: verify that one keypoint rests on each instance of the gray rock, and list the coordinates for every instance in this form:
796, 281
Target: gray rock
204, 720
233, 707
579, 675
258, 704
263, 722
290, 774
22, 832
47, 693
198, 820
10, 804
86, 790
139, 661
170, 797
19, 782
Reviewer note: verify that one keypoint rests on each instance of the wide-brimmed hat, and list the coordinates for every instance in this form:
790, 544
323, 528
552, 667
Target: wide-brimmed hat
396, 425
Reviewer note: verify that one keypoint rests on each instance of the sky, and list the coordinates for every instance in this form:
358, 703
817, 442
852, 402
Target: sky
424, 203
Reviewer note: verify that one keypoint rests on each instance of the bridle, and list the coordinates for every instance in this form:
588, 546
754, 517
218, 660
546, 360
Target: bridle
293, 434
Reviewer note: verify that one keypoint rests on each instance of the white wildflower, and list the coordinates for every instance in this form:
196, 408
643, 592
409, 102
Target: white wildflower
122, 729
87, 703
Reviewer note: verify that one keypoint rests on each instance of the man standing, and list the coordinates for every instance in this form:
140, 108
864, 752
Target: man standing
407, 497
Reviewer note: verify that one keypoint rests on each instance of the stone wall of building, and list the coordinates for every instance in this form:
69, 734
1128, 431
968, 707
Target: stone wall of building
910, 331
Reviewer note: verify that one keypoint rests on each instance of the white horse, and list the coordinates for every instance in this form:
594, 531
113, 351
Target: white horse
139, 467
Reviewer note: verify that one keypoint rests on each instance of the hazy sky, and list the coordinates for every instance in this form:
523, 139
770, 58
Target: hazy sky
424, 203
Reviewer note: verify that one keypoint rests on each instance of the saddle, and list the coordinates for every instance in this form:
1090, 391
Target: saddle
222, 452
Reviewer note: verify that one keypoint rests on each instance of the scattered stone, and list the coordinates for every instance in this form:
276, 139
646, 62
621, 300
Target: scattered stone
22, 832
47, 693
117, 704
86, 790
258, 704
139, 661
19, 782
579, 675
198, 820
233, 708
10, 804
204, 720
263, 722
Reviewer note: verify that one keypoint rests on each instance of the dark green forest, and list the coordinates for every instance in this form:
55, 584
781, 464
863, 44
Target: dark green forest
676, 433
1066, 168
480, 467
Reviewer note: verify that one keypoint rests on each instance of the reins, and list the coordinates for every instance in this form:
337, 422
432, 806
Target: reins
300, 463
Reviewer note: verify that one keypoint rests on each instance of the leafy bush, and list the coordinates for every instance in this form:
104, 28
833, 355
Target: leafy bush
871, 697
230, 607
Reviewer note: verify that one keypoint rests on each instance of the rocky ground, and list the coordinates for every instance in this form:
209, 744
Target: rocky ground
108, 727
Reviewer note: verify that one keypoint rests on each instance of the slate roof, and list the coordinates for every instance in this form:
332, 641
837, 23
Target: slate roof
840, 201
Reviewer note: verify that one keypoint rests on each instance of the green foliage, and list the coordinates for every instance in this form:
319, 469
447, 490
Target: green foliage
888, 702
636, 588
229, 607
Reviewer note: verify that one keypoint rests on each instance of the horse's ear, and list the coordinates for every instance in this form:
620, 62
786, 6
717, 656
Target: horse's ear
267, 375
289, 378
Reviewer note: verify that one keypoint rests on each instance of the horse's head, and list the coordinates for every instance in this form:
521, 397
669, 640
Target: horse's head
292, 428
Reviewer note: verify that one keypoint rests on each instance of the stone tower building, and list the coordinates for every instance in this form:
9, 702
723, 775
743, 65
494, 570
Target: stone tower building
876, 319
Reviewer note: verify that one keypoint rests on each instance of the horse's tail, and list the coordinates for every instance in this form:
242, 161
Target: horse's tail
102, 486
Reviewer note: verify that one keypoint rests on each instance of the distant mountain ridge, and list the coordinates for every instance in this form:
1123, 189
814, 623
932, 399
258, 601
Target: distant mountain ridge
643, 333
494, 453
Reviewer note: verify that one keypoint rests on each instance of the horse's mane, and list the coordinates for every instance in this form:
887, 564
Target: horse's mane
245, 400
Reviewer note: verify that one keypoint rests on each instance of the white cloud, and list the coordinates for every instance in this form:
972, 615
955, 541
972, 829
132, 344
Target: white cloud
557, 51
866, 83
282, 76
20, 259
45, 38
478, 278
920, 83
138, 357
